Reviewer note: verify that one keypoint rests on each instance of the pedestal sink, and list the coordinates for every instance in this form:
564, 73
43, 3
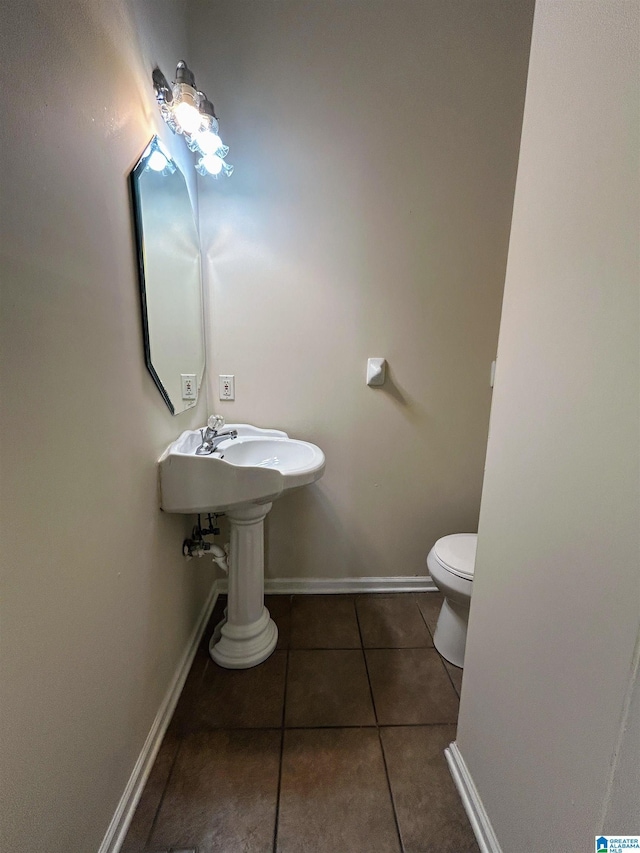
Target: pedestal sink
241, 478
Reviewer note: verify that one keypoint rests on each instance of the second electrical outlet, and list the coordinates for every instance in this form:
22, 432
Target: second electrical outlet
227, 387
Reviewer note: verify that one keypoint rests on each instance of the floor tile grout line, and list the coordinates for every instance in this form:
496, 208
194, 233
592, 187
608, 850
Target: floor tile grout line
425, 623
368, 726
164, 790
282, 731
277, 814
384, 759
446, 669
393, 803
364, 657
355, 648
210, 729
455, 689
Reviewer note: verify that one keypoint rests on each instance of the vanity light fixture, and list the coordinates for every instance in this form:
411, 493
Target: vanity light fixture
189, 112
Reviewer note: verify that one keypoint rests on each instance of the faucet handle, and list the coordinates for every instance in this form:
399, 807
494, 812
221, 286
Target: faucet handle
215, 422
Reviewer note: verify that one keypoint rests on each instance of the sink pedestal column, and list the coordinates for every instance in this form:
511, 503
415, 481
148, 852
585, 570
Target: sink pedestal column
248, 635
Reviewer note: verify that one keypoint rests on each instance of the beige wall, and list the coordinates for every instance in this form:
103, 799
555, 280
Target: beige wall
97, 602
548, 690
375, 146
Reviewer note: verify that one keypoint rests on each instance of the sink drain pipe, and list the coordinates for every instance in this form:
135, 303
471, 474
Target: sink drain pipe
199, 548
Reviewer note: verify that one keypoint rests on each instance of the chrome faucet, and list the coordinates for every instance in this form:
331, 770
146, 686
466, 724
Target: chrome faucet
211, 437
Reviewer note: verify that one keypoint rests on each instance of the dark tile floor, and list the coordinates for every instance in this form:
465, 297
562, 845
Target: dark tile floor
333, 745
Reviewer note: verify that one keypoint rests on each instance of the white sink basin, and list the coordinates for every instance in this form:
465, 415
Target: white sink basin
256, 467
240, 478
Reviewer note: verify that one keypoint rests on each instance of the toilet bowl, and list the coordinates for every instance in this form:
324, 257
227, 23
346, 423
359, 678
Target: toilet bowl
451, 562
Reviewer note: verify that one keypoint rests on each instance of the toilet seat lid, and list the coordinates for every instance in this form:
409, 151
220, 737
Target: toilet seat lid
457, 553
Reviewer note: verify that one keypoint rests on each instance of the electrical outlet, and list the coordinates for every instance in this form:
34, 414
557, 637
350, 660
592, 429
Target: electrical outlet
189, 386
227, 387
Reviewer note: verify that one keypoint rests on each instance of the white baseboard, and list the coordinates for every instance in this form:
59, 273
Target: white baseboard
333, 586
119, 825
478, 817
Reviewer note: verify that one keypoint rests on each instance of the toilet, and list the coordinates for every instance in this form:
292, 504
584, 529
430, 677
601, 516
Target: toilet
451, 562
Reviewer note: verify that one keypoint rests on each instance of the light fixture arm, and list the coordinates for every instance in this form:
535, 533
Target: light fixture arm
161, 86
206, 107
185, 75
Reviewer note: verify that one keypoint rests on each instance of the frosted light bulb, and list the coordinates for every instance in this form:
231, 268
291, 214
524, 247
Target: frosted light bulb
208, 142
188, 117
212, 163
157, 161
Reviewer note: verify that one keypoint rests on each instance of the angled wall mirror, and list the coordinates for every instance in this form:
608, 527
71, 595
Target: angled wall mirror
169, 271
